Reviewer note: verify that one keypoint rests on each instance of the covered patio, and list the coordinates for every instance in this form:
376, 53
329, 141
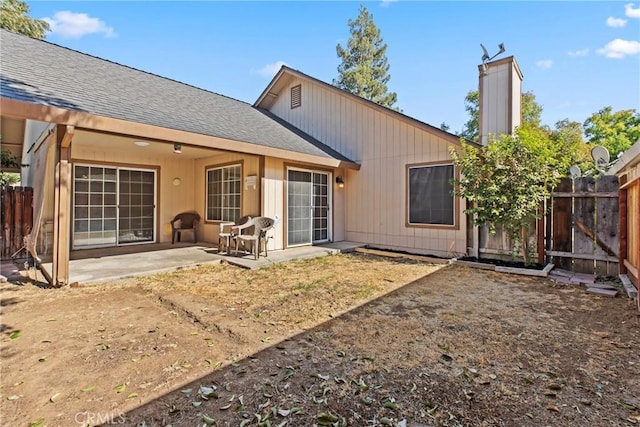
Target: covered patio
100, 265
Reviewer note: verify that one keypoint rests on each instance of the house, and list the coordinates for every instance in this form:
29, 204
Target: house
627, 169
114, 153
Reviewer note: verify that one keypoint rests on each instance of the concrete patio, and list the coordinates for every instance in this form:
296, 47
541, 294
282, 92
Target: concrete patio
100, 265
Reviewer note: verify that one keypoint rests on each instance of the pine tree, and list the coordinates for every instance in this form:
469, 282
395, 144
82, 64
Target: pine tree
364, 70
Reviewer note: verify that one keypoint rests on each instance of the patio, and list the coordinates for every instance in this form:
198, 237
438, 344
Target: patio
104, 264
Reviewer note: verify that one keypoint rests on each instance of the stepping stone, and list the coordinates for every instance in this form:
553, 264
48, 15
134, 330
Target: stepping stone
563, 280
605, 292
602, 286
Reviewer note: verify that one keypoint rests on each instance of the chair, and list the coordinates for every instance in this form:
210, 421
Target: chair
228, 232
185, 221
257, 237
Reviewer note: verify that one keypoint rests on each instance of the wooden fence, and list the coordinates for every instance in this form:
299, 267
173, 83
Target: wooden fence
578, 233
584, 225
16, 218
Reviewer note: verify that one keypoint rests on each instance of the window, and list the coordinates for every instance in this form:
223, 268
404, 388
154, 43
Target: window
296, 96
431, 201
223, 193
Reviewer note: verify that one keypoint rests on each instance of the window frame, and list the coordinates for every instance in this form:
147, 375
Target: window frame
456, 200
222, 167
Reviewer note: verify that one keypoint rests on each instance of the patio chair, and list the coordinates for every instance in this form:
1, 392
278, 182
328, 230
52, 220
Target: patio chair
261, 225
228, 232
185, 221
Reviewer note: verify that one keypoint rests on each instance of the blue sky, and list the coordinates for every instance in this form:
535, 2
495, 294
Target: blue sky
576, 57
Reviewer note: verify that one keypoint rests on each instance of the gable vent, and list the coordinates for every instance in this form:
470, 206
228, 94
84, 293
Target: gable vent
296, 96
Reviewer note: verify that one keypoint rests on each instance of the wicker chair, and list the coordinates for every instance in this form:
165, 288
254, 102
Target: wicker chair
257, 237
185, 221
228, 232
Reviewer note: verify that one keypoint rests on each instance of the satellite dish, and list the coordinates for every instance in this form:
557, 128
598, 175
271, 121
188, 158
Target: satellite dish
600, 157
575, 172
485, 54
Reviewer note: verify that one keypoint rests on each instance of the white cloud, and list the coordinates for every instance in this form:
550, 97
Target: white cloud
616, 22
581, 52
387, 3
630, 12
619, 48
545, 64
270, 70
73, 25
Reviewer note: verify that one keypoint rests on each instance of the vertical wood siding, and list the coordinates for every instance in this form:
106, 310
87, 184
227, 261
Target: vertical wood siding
375, 196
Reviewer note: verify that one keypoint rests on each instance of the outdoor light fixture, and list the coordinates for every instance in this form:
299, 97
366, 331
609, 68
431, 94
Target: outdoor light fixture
177, 148
340, 182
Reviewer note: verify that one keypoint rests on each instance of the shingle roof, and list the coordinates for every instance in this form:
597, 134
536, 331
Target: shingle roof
40, 72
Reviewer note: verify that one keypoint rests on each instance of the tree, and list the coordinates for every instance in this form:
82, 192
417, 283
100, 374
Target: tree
8, 160
507, 180
614, 131
364, 70
470, 130
567, 137
14, 17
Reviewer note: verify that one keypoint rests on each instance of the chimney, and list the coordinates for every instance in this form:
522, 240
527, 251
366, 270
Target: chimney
500, 96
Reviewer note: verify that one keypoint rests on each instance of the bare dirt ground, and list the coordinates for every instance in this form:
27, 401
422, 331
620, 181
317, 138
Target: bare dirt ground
352, 340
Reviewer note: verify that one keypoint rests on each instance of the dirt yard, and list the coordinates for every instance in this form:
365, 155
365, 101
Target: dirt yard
353, 340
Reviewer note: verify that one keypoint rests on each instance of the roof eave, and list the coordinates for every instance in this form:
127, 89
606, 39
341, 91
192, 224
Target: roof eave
83, 120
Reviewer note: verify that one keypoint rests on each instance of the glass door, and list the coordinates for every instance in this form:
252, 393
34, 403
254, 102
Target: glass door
307, 207
136, 208
95, 206
113, 206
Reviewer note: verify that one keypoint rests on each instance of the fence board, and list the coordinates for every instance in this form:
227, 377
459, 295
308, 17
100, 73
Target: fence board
584, 220
561, 224
16, 217
607, 218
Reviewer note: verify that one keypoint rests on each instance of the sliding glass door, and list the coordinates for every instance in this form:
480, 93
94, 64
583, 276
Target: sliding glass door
113, 206
308, 201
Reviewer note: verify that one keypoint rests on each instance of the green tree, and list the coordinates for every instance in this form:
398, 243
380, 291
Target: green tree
364, 70
14, 17
506, 181
8, 160
567, 137
616, 131
470, 129
531, 113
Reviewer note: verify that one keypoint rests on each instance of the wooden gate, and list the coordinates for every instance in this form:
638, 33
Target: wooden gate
582, 227
16, 217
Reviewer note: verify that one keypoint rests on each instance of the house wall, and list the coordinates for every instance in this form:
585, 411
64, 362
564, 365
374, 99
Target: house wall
274, 202
250, 197
374, 199
171, 199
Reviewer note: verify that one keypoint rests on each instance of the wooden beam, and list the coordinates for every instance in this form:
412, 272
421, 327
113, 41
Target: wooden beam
583, 256
65, 135
591, 236
622, 231
584, 194
62, 190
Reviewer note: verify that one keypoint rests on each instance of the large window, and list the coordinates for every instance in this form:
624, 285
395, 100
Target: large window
431, 201
223, 193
